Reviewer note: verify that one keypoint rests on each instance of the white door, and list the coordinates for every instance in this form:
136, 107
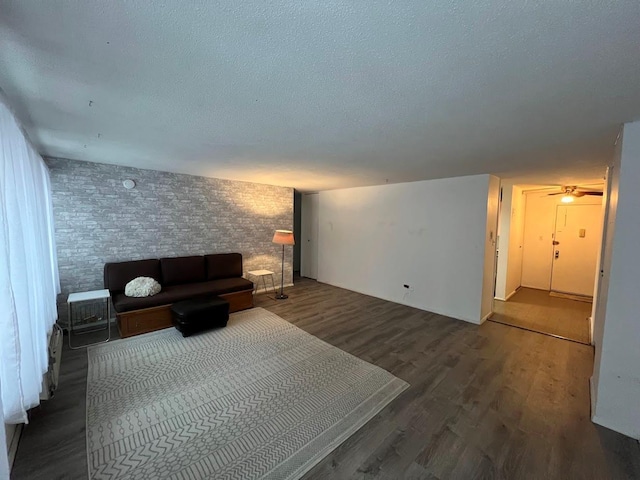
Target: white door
577, 239
309, 231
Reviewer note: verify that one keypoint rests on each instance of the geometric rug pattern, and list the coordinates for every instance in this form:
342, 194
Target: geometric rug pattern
260, 398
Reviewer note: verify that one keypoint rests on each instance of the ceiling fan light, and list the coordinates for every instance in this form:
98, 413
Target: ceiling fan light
567, 199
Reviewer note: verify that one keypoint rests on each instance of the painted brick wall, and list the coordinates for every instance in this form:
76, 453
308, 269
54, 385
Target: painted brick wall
97, 220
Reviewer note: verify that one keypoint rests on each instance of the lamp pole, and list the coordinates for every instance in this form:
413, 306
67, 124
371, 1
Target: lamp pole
282, 296
283, 237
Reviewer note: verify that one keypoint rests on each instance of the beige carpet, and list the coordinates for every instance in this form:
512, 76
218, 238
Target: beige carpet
538, 311
260, 398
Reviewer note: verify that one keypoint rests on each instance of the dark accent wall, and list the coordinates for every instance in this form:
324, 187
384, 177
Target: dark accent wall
297, 229
97, 220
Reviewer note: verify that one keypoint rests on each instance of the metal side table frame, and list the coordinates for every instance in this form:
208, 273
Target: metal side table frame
86, 297
261, 274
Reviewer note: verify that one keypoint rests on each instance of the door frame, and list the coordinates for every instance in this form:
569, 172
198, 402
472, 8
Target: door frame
600, 294
499, 240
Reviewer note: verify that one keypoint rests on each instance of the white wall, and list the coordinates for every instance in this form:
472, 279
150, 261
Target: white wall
510, 244
617, 362
539, 225
430, 235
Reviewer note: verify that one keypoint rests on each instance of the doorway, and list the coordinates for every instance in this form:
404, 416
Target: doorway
548, 272
576, 240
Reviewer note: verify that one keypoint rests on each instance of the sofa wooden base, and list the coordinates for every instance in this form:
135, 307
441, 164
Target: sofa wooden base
151, 319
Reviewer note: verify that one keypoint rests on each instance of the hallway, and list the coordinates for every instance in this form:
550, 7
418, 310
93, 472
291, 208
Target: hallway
536, 310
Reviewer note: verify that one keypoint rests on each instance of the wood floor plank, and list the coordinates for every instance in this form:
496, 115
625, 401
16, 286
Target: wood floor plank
489, 401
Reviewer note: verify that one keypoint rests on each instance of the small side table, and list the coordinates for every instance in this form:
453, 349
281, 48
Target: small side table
262, 274
86, 297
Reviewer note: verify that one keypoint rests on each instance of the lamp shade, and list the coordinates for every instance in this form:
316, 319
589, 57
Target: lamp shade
283, 237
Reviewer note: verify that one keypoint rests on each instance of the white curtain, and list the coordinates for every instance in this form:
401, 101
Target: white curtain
4, 460
28, 270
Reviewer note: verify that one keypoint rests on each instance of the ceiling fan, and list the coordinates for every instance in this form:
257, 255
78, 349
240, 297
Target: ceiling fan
572, 191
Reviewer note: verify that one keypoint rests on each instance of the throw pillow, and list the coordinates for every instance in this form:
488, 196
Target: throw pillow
142, 287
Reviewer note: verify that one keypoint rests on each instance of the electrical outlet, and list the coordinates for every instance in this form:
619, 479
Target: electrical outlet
407, 291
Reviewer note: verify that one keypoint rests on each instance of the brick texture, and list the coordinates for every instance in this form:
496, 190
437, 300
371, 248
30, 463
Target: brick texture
97, 220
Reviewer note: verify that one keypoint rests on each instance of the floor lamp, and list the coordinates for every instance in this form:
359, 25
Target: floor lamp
283, 237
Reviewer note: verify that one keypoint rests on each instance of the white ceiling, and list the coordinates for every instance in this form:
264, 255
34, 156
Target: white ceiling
326, 94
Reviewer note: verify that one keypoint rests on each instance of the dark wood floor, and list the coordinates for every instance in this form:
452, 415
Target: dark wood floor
538, 311
488, 401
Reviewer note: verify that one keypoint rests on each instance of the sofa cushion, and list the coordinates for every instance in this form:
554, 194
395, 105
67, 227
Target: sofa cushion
223, 265
122, 303
176, 293
118, 274
181, 270
227, 285
216, 287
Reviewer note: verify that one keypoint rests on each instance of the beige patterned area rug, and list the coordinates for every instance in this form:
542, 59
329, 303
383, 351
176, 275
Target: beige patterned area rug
260, 398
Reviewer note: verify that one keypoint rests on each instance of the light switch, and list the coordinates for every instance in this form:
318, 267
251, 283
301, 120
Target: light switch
582, 232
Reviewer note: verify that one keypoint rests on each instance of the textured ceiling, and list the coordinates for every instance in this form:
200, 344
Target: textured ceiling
326, 94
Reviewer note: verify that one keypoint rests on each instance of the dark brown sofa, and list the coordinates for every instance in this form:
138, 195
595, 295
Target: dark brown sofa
181, 278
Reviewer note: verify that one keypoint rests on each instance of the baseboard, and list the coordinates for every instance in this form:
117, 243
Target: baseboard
571, 296
264, 290
270, 290
486, 317
536, 288
389, 299
505, 299
623, 429
511, 294
13, 444
592, 398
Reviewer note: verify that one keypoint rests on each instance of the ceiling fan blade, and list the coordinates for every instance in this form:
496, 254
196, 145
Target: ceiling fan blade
577, 194
559, 193
595, 194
